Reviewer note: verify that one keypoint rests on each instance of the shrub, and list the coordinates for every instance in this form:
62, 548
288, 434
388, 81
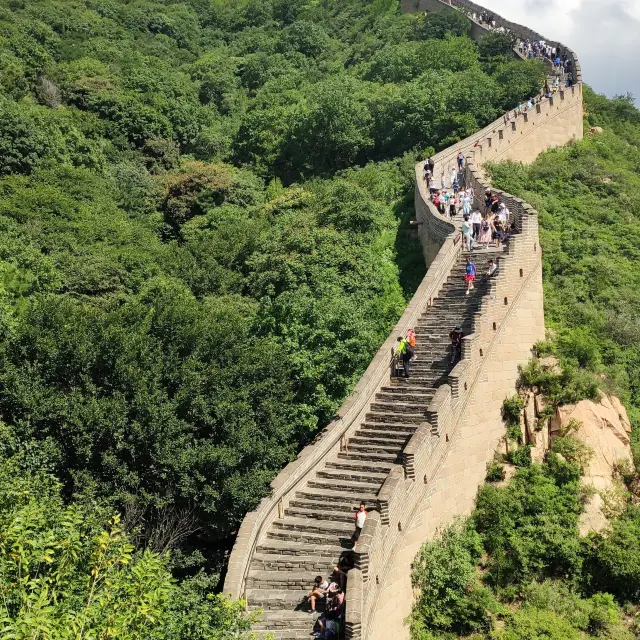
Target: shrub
511, 412
495, 472
520, 457
451, 598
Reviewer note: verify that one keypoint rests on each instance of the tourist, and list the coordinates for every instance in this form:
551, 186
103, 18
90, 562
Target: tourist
456, 337
470, 275
476, 222
329, 628
492, 269
452, 205
467, 233
498, 230
460, 161
432, 164
467, 199
360, 515
319, 592
485, 231
412, 340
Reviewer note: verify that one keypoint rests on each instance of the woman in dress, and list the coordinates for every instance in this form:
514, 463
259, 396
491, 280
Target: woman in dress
486, 231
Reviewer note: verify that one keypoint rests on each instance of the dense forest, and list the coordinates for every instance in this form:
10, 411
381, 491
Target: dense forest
518, 569
204, 211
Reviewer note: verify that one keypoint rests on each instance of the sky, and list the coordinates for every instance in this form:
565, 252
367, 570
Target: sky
605, 34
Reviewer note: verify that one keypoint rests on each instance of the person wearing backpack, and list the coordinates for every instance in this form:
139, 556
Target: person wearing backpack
470, 274
404, 351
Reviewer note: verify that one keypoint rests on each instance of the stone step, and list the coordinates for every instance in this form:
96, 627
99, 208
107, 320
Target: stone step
404, 392
307, 538
327, 552
310, 525
382, 428
346, 487
419, 400
282, 580
271, 599
333, 511
360, 465
375, 448
338, 476
378, 442
424, 381
376, 436
289, 634
395, 418
318, 511
338, 497
284, 620
277, 562
396, 405
368, 456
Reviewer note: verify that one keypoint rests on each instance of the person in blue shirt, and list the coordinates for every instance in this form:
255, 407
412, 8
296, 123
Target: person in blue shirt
470, 275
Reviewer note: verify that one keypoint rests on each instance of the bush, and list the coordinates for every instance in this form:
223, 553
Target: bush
520, 457
511, 414
451, 597
495, 472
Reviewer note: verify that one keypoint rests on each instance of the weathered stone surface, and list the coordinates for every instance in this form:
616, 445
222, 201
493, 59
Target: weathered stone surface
605, 428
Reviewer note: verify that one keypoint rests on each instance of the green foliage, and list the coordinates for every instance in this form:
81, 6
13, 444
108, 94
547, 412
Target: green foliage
495, 472
204, 236
550, 582
442, 23
495, 44
520, 456
511, 415
611, 562
451, 599
566, 386
70, 571
588, 195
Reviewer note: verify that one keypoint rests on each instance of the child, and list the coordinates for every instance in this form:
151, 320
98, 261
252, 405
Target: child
470, 275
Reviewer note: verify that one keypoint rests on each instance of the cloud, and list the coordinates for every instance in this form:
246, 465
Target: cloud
604, 33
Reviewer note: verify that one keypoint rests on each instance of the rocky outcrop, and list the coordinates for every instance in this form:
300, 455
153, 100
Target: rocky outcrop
603, 426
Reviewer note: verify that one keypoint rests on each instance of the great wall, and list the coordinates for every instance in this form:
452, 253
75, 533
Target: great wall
417, 449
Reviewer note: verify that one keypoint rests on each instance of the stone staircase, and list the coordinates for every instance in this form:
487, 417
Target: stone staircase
318, 523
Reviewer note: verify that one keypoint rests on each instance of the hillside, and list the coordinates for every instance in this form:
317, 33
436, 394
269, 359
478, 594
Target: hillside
518, 568
204, 212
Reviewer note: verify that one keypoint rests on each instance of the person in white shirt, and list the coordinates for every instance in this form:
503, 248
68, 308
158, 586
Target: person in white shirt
476, 221
467, 199
319, 592
360, 517
467, 233
503, 214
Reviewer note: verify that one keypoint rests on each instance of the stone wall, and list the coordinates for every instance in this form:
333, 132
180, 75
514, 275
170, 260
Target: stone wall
441, 481
445, 460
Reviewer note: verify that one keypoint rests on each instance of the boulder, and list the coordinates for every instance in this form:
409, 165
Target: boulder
596, 130
605, 427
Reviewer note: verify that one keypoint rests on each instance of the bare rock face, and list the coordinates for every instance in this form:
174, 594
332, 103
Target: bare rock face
605, 427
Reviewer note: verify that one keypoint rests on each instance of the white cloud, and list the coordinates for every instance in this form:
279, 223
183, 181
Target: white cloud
604, 33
